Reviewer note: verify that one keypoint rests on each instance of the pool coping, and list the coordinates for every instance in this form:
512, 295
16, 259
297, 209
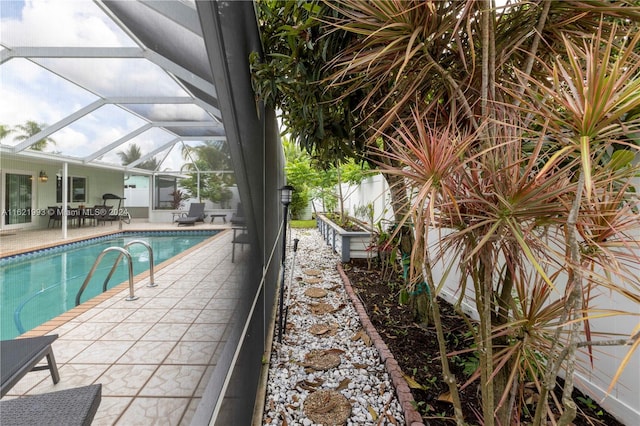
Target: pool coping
76, 240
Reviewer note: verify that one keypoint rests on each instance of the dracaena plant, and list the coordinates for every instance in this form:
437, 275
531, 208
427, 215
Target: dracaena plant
590, 105
540, 221
485, 209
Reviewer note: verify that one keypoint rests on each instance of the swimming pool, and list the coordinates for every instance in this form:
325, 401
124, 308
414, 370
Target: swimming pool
38, 286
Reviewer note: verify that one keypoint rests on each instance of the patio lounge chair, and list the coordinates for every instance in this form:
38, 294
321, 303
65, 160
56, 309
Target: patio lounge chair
69, 407
195, 214
20, 356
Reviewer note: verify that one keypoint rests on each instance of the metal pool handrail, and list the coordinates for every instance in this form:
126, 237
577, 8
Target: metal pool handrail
115, 265
123, 252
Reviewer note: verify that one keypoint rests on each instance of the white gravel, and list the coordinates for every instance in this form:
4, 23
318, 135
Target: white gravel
360, 377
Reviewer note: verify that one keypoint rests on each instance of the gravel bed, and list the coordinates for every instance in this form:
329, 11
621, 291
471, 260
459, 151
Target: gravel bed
313, 341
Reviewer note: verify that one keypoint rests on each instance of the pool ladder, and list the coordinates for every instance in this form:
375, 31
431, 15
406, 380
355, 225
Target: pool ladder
123, 253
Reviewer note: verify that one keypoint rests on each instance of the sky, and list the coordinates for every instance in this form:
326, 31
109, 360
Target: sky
28, 91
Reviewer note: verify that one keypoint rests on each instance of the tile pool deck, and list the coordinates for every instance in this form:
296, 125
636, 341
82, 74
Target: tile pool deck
153, 355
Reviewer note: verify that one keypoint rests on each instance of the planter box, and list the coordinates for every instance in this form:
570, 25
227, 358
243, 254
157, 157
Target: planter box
348, 244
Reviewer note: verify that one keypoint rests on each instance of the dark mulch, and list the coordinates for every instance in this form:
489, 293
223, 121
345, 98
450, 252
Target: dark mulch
416, 350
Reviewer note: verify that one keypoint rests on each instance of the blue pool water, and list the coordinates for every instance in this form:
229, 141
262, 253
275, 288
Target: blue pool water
38, 286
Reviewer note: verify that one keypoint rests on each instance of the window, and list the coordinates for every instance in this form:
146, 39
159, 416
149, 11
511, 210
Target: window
76, 189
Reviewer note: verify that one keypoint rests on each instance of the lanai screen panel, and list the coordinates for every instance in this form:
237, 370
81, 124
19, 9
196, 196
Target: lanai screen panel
137, 70
172, 29
59, 24
148, 147
32, 93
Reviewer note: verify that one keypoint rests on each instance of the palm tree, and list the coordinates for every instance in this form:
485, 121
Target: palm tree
211, 155
133, 153
4, 131
30, 128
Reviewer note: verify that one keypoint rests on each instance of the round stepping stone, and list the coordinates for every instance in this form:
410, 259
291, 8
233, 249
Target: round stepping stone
321, 308
327, 407
322, 359
316, 292
313, 272
323, 329
313, 280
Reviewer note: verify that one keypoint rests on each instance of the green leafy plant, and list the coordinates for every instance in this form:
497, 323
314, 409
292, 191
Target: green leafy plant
291, 77
470, 364
588, 402
178, 199
210, 172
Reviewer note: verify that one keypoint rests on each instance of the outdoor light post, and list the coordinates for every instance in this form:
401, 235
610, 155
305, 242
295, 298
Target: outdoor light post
285, 198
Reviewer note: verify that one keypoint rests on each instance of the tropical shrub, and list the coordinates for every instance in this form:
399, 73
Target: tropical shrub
178, 198
538, 222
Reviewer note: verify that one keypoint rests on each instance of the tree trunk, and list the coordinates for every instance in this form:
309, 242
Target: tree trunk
447, 375
483, 281
419, 299
340, 196
573, 304
504, 405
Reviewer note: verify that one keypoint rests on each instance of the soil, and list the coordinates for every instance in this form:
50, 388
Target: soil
416, 350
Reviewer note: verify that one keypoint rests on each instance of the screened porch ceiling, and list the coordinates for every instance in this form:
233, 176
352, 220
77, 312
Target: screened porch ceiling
100, 76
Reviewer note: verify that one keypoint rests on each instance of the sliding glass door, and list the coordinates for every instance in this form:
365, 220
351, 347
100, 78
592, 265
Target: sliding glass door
18, 196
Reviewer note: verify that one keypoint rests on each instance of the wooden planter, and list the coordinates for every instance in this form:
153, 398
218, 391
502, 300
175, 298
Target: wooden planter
348, 244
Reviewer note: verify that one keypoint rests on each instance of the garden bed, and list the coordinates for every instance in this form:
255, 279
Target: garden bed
415, 348
352, 243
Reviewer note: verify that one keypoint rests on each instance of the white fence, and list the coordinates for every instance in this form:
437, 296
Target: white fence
372, 191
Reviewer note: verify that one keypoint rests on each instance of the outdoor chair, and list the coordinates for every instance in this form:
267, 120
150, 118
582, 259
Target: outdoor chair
240, 236
69, 407
195, 214
55, 215
237, 218
102, 213
20, 356
87, 215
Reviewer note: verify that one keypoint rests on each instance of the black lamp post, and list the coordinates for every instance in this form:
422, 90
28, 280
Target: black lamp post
286, 193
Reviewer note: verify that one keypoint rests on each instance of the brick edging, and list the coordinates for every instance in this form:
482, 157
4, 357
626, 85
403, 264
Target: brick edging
411, 416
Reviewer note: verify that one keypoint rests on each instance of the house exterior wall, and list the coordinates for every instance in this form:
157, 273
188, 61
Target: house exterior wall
98, 182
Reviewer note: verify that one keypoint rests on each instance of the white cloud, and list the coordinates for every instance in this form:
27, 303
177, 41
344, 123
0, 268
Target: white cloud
179, 112
62, 23
71, 142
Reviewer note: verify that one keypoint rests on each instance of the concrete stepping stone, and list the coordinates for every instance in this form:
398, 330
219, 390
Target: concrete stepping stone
322, 359
316, 292
327, 407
